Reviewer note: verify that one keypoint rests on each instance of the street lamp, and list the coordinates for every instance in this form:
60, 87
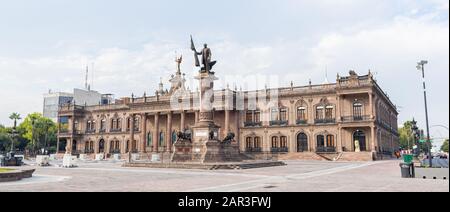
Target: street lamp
421, 67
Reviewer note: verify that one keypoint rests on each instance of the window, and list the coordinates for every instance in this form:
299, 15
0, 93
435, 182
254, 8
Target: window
149, 139
248, 143
319, 112
257, 142
136, 123
283, 142
283, 114
103, 124
249, 116
329, 112
274, 116
161, 139
114, 124
320, 141
301, 113
330, 141
76, 126
274, 142
257, 116
357, 111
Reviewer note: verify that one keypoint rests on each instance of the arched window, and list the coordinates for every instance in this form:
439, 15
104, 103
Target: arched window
320, 141
161, 139
257, 116
136, 123
301, 114
128, 124
329, 112
283, 114
357, 111
248, 143
103, 125
101, 146
149, 139
257, 143
283, 142
302, 142
330, 141
274, 115
274, 142
320, 112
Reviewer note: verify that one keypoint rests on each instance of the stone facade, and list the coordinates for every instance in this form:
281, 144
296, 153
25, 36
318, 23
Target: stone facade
352, 115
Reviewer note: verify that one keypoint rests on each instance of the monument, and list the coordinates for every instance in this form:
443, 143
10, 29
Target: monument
203, 144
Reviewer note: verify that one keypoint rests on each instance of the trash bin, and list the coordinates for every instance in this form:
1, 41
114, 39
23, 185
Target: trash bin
407, 170
408, 158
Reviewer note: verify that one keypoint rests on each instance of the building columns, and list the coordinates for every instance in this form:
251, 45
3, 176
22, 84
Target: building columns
130, 146
227, 122
372, 136
156, 133
371, 105
143, 133
169, 132
197, 116
183, 121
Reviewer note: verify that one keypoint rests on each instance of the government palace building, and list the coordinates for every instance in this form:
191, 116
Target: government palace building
351, 119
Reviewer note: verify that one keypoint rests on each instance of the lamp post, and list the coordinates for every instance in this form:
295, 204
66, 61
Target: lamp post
421, 67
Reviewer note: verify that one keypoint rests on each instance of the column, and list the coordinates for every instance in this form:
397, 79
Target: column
339, 140
338, 109
371, 105
183, 121
69, 145
169, 132
57, 143
197, 115
143, 132
156, 133
372, 135
130, 146
227, 122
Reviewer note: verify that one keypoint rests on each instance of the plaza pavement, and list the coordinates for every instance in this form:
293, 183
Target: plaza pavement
297, 176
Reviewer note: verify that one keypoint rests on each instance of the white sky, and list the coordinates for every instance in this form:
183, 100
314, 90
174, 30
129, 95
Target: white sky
46, 44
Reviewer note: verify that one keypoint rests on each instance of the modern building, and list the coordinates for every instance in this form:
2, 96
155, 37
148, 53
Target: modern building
351, 119
53, 100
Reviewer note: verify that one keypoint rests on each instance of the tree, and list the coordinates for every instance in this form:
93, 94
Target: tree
15, 117
444, 147
406, 136
39, 131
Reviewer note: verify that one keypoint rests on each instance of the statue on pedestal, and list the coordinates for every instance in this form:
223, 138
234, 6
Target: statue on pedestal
206, 58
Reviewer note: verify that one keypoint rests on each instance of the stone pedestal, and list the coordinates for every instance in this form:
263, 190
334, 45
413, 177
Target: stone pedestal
42, 160
83, 157
116, 157
99, 157
69, 161
205, 146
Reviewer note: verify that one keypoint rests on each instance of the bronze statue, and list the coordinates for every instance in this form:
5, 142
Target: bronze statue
206, 58
230, 138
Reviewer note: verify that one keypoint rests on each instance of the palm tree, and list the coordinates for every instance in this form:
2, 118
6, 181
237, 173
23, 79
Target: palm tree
15, 117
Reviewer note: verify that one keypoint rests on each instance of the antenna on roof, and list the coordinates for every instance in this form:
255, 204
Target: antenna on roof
86, 79
92, 80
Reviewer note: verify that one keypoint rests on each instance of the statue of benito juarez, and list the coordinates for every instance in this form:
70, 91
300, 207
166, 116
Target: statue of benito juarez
206, 58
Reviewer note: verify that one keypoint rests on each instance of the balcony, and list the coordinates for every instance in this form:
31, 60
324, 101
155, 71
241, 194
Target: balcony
323, 149
116, 130
252, 124
90, 131
253, 149
349, 119
325, 121
102, 131
302, 122
279, 150
279, 123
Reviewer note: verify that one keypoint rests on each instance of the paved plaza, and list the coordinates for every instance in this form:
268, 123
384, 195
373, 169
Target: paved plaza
297, 176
